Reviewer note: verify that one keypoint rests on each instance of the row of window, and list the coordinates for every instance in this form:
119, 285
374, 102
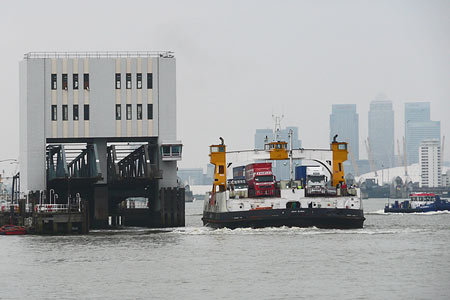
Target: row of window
172, 151
65, 83
75, 112
138, 81
65, 112
138, 111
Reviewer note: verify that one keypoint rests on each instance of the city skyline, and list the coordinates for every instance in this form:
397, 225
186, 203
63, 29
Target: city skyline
344, 122
292, 58
383, 105
381, 132
419, 127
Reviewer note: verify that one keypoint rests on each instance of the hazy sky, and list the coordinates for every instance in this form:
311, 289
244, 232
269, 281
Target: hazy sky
240, 61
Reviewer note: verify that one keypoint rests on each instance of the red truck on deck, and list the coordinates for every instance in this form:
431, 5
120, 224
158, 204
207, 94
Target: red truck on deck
260, 179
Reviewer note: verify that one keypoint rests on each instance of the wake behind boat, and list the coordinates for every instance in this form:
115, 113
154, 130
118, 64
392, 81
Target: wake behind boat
266, 202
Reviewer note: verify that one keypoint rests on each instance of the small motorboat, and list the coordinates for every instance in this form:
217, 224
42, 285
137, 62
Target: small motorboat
418, 203
12, 230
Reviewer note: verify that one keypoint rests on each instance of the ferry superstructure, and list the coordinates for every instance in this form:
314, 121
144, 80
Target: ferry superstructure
290, 206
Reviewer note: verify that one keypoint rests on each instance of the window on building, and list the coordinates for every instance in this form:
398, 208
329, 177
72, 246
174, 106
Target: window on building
86, 112
118, 112
64, 82
54, 85
128, 80
172, 152
75, 81
139, 80
54, 113
75, 112
149, 80
176, 150
150, 111
166, 151
65, 112
139, 111
86, 81
118, 77
128, 111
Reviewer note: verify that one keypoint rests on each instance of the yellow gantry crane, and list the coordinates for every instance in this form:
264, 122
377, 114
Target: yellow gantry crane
331, 159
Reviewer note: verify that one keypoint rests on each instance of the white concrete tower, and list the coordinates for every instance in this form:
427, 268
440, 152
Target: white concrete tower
430, 163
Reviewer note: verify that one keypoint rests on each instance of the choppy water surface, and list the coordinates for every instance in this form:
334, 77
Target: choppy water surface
395, 256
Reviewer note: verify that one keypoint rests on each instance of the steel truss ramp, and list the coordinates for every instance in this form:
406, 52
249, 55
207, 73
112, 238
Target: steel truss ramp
56, 167
85, 166
136, 165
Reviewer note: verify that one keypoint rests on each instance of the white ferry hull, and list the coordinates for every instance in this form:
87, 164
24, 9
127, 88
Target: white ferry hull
291, 209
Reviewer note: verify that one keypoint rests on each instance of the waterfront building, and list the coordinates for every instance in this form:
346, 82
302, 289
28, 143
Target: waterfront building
430, 163
81, 97
446, 179
344, 121
78, 109
191, 176
195, 176
418, 127
280, 168
381, 133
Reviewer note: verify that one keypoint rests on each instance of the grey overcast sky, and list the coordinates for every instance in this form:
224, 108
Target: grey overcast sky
240, 61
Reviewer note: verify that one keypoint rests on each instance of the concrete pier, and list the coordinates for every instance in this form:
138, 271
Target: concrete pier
60, 219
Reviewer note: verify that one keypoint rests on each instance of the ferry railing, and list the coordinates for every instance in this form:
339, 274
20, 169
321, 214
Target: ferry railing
7, 208
98, 54
136, 204
56, 208
28, 208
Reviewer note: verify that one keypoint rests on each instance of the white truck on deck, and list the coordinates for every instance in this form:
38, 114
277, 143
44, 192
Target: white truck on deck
316, 181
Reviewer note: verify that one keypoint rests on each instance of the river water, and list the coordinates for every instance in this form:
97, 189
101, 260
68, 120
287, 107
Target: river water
395, 256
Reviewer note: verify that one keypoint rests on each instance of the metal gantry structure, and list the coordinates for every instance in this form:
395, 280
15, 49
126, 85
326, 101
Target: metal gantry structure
136, 165
85, 165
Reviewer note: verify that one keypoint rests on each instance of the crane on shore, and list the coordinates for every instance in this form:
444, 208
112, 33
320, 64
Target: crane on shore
370, 157
405, 162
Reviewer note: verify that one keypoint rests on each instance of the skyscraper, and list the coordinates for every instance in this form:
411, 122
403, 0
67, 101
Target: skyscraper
419, 127
381, 133
417, 111
430, 163
344, 122
280, 167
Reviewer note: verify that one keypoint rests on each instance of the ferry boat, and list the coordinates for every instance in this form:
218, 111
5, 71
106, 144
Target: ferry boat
418, 203
290, 204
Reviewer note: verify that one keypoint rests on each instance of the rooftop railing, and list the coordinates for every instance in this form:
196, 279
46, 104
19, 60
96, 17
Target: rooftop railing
98, 54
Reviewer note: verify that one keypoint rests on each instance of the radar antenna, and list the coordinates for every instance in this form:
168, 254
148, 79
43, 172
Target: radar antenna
277, 130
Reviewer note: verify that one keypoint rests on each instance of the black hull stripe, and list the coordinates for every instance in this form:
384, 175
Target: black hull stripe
321, 218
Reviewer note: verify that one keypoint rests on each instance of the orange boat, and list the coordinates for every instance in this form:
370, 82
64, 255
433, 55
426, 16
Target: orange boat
12, 230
